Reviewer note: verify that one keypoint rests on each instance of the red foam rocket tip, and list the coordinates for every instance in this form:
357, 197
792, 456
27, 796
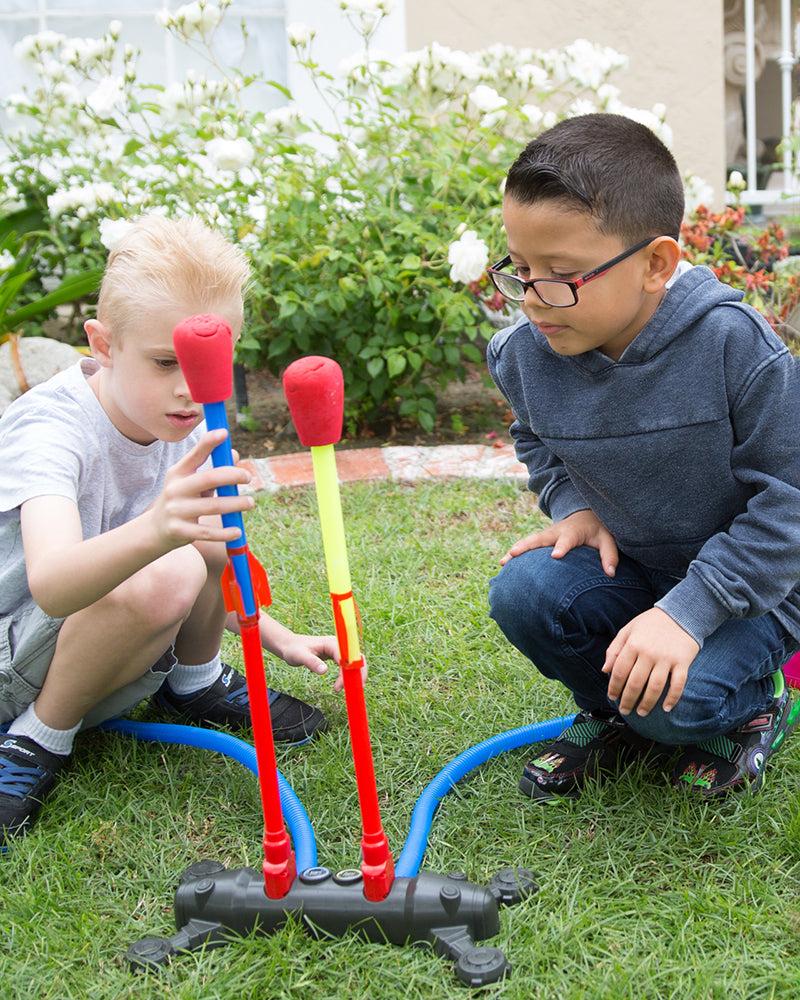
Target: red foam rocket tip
314, 389
204, 348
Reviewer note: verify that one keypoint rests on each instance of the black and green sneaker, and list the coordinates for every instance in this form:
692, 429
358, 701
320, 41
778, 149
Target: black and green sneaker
595, 742
735, 762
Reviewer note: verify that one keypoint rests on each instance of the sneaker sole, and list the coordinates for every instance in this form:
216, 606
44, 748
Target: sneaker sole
537, 794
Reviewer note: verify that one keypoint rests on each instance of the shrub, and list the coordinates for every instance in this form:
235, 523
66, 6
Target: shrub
748, 257
357, 230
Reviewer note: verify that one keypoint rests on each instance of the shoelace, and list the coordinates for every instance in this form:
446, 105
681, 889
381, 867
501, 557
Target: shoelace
241, 699
17, 779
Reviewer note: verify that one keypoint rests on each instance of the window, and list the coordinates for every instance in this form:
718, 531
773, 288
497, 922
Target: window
162, 59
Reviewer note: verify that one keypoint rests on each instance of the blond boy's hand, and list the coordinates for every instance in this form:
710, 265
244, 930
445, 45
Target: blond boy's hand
650, 653
581, 528
310, 651
189, 496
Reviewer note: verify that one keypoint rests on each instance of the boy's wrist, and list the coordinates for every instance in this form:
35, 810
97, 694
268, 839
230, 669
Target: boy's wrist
694, 608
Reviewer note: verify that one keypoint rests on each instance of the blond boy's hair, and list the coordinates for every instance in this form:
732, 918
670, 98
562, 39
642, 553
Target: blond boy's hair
160, 262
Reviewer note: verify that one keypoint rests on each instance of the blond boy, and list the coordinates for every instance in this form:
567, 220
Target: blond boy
111, 532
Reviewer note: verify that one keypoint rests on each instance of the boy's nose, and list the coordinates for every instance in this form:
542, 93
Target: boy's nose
181, 388
532, 299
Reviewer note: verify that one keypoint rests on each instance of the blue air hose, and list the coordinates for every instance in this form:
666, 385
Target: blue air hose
296, 817
300, 829
421, 818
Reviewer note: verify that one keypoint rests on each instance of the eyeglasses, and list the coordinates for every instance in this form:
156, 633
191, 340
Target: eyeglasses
556, 292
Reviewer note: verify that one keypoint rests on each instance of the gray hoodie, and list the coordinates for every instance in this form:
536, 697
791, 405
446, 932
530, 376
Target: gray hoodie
687, 448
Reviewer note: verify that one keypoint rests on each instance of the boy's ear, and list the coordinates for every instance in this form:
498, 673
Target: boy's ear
99, 342
664, 255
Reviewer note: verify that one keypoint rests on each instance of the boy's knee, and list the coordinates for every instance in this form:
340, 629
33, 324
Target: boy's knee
215, 557
166, 590
688, 723
523, 588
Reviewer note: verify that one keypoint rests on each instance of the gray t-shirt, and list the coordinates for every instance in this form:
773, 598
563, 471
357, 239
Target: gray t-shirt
56, 440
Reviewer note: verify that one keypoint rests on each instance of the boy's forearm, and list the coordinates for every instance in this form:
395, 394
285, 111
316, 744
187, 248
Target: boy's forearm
68, 577
274, 635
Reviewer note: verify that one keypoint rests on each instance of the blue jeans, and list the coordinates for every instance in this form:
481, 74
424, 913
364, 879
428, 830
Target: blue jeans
563, 613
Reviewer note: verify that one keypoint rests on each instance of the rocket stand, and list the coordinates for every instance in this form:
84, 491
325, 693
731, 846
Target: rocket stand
213, 904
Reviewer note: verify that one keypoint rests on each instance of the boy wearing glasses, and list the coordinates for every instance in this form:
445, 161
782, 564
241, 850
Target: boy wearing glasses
658, 417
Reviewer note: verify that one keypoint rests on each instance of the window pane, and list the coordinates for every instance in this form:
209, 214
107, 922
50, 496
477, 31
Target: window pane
162, 59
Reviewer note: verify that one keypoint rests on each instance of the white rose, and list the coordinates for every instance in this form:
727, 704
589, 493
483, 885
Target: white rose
299, 34
487, 99
468, 257
112, 231
105, 98
198, 18
230, 154
736, 181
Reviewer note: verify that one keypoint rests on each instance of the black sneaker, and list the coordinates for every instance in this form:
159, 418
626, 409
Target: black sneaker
593, 743
735, 762
226, 703
27, 773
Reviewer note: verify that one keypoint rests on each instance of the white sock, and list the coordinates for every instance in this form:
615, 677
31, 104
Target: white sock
55, 740
188, 678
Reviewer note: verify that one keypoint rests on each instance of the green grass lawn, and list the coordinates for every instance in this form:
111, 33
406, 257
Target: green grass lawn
645, 893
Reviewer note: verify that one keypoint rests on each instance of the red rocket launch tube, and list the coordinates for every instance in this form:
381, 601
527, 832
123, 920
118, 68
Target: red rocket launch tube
204, 349
314, 388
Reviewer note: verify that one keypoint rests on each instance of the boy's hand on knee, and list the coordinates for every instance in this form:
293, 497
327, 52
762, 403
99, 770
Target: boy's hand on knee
185, 509
651, 652
581, 528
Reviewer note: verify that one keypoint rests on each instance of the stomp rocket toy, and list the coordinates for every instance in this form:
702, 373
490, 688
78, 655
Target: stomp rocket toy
212, 903
381, 901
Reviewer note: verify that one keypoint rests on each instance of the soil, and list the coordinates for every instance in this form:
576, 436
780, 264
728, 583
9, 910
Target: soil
469, 412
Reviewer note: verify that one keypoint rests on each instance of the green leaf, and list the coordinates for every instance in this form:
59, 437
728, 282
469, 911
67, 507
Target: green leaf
21, 223
287, 309
427, 421
132, 146
10, 285
415, 360
76, 287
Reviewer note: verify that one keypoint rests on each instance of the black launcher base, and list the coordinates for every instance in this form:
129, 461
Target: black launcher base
213, 904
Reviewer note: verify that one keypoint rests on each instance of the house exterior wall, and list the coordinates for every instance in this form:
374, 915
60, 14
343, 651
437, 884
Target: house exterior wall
675, 56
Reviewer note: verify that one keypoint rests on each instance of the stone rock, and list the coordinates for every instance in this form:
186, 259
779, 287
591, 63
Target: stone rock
39, 359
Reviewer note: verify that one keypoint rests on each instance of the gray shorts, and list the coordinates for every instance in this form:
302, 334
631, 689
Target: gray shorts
27, 644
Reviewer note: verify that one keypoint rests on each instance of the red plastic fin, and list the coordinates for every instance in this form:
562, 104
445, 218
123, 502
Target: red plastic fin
230, 591
260, 580
340, 627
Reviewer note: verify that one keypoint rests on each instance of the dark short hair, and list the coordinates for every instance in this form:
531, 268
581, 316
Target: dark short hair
610, 166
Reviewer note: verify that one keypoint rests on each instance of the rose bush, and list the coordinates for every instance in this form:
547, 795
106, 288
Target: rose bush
753, 259
366, 235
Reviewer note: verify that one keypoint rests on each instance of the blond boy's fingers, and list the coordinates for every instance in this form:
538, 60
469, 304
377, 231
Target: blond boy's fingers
201, 452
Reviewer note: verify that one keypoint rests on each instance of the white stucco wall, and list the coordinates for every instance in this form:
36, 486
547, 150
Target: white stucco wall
675, 53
